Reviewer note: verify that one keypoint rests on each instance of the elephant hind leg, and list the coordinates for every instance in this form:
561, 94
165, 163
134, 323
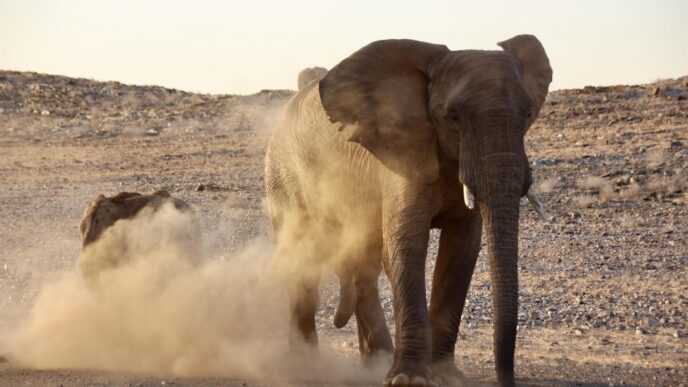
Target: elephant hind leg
296, 253
304, 297
293, 259
373, 335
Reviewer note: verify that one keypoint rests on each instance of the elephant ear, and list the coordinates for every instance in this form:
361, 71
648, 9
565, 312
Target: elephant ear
379, 95
536, 70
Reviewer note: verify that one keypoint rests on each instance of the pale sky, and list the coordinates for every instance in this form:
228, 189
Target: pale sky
240, 47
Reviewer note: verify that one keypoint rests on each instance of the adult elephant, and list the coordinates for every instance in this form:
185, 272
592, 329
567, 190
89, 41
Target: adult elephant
401, 137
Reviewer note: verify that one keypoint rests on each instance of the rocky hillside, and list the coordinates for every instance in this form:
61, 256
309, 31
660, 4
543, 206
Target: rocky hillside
33, 104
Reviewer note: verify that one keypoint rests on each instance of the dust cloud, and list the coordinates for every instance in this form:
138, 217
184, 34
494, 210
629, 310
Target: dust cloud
170, 306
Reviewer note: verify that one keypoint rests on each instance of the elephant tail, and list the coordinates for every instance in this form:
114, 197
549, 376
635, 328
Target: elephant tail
347, 301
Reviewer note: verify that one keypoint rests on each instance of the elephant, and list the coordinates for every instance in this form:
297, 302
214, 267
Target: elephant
103, 213
399, 138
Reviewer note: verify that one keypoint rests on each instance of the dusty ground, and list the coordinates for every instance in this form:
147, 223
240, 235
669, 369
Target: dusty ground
604, 285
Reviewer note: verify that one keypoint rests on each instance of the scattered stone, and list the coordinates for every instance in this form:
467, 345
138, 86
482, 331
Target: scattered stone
210, 187
152, 132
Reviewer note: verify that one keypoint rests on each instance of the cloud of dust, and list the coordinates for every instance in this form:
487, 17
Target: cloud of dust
171, 308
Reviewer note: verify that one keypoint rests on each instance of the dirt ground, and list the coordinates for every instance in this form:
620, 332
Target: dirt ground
604, 283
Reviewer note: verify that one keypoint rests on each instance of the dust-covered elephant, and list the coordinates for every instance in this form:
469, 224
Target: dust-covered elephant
401, 137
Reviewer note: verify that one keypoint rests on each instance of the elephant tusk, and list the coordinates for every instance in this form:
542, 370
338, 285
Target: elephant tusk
468, 197
537, 205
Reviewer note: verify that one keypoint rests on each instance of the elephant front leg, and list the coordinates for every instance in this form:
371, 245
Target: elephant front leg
458, 252
406, 232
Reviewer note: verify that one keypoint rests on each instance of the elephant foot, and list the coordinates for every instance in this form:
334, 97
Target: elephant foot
409, 375
445, 373
506, 381
403, 380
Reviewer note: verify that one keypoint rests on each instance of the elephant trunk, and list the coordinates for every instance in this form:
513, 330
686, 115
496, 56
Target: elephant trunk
501, 229
500, 190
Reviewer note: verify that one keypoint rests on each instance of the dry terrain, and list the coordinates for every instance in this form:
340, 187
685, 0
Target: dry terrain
604, 283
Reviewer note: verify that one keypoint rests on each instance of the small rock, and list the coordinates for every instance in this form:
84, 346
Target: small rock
676, 334
45, 112
578, 332
200, 188
655, 91
640, 331
152, 132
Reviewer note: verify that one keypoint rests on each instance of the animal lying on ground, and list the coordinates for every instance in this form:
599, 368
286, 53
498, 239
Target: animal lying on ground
104, 213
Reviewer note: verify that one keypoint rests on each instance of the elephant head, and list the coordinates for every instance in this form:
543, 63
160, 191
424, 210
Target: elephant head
310, 74
418, 107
